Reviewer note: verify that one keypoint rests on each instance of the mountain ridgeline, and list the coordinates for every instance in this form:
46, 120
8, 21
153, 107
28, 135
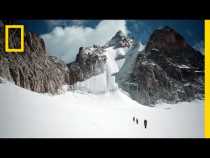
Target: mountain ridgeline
168, 69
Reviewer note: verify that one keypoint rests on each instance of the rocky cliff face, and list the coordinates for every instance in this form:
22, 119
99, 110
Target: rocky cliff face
168, 70
33, 69
89, 62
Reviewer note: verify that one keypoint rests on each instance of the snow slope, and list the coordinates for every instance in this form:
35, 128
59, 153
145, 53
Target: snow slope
27, 114
129, 62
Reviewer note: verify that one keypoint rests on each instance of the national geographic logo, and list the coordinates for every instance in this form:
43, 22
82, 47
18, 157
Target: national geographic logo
7, 31
7, 48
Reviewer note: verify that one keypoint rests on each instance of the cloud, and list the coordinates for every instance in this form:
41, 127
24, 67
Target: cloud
64, 42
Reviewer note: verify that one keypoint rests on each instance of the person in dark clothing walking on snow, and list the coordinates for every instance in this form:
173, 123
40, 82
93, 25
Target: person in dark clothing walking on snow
133, 119
145, 123
137, 121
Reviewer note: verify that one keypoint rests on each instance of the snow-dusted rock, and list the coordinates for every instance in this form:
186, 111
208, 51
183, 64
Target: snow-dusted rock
120, 40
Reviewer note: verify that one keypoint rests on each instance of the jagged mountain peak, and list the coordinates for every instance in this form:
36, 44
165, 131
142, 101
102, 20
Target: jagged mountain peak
171, 44
120, 33
120, 39
166, 37
168, 70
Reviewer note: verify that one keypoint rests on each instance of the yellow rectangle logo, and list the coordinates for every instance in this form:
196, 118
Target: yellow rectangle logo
15, 50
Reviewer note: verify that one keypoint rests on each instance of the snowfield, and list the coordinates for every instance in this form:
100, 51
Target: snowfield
96, 108
27, 114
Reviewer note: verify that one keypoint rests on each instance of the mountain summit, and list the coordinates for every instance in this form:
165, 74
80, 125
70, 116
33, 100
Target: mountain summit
120, 39
168, 70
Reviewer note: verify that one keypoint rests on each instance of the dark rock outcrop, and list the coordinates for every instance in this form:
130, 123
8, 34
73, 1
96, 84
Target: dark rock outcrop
168, 70
89, 62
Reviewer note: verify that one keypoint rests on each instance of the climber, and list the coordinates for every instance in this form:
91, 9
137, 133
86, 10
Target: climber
137, 121
145, 123
133, 119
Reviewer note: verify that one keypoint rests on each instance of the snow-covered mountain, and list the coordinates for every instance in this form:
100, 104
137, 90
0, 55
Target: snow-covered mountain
114, 53
167, 70
120, 40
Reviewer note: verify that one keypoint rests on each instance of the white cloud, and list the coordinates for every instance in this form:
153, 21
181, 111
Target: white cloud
65, 42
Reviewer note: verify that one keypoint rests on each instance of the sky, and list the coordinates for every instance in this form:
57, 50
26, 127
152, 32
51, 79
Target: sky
64, 37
